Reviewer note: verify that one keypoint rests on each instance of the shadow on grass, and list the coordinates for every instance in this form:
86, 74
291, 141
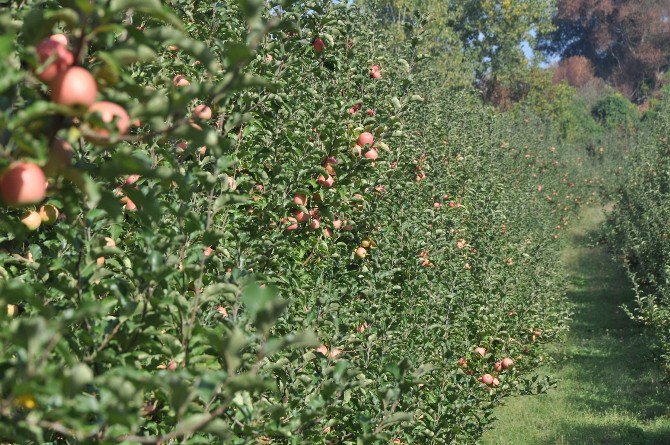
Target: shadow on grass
610, 389
607, 356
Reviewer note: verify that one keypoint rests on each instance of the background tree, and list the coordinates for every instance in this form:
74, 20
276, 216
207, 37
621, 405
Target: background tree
628, 41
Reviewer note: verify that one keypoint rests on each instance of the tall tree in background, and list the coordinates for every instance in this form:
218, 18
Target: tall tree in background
627, 41
475, 41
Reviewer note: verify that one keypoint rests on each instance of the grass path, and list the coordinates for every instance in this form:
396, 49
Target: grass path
609, 389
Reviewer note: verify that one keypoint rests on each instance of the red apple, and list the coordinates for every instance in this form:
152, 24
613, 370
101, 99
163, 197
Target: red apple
74, 86
202, 112
109, 111
23, 183
300, 199
129, 204
366, 138
361, 252
301, 216
372, 154
132, 179
318, 45
56, 52
180, 81
60, 38
507, 363
325, 182
486, 379
293, 224
481, 351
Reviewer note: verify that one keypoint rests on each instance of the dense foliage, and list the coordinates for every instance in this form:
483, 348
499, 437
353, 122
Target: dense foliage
639, 222
262, 272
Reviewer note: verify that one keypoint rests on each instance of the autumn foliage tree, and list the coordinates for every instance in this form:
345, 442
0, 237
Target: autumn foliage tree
627, 41
576, 70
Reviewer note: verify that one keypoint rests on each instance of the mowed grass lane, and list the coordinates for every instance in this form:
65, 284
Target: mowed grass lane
610, 389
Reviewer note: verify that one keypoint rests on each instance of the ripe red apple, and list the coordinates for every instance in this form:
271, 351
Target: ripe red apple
361, 252
293, 224
49, 214
315, 224
462, 362
109, 111
327, 232
132, 179
208, 251
356, 150
507, 363
60, 38
129, 204
366, 138
372, 154
495, 382
337, 224
486, 379
370, 112
325, 182
498, 367
481, 351
322, 349
318, 45
301, 216
300, 199
60, 58
74, 86
22, 183
202, 112
180, 81
31, 219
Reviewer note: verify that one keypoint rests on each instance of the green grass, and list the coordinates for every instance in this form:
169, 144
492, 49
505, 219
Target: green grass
610, 389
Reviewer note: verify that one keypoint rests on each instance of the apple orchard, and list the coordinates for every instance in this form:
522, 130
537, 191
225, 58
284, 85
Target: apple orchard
263, 222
